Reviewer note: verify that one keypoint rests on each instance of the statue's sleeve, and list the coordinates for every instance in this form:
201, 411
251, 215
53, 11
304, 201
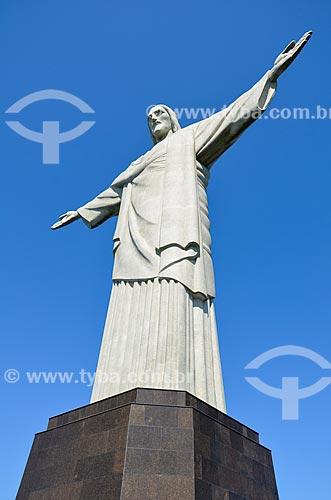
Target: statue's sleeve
214, 135
104, 206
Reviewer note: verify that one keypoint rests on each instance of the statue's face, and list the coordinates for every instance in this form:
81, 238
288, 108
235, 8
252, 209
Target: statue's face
159, 123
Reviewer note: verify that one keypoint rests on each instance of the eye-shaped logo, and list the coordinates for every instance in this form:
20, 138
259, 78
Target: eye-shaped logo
290, 393
50, 137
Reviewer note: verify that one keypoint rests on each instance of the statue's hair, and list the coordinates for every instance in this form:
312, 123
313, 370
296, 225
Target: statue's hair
173, 118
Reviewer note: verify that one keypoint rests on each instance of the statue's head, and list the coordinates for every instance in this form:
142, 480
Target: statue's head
162, 120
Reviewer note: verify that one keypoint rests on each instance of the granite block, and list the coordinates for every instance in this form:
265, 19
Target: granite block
148, 444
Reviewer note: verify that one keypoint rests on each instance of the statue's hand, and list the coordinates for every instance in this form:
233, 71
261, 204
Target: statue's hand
66, 219
288, 55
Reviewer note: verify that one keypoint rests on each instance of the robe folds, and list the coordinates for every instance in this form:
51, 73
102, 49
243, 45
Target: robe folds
163, 235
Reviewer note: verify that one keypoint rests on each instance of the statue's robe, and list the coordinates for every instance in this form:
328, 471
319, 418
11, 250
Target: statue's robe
160, 329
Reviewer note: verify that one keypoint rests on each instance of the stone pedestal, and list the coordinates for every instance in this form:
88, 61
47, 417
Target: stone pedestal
148, 444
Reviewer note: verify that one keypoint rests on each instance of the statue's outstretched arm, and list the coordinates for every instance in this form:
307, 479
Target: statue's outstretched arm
95, 212
214, 135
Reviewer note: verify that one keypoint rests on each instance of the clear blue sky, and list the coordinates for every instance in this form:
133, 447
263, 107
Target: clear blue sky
269, 203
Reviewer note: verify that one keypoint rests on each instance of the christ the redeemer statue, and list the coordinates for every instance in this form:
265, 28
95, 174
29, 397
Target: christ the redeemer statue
160, 330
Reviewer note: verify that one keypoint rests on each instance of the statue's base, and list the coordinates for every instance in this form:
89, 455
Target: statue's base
148, 444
